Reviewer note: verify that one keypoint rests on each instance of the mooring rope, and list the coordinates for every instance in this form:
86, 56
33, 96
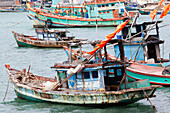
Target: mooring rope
6, 90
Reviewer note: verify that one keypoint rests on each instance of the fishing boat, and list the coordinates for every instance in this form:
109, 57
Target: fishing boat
77, 14
156, 75
144, 51
46, 38
139, 49
150, 7
86, 84
131, 6
13, 9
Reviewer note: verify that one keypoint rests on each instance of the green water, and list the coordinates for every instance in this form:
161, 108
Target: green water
41, 60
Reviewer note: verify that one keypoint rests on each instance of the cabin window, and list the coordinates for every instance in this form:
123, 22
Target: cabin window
91, 8
113, 4
104, 12
45, 35
102, 5
108, 12
79, 76
86, 75
40, 36
111, 73
100, 12
52, 35
119, 72
94, 74
99, 5
107, 5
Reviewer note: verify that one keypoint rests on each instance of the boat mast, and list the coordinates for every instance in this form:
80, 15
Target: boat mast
96, 18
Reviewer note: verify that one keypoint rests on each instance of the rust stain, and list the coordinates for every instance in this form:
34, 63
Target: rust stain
64, 97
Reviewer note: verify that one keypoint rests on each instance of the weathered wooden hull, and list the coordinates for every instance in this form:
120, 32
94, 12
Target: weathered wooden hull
81, 97
154, 77
61, 21
28, 42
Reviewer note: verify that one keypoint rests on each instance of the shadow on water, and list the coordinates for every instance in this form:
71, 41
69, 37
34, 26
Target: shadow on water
24, 105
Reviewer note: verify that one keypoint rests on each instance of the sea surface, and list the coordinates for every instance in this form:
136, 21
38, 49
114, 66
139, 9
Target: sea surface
42, 59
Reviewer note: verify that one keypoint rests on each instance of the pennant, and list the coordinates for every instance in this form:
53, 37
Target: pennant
92, 52
165, 10
160, 3
121, 26
109, 37
153, 14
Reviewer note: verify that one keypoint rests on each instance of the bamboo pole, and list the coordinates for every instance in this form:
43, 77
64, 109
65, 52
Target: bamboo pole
153, 107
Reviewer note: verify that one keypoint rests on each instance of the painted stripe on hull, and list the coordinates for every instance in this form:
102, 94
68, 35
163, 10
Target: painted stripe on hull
63, 22
22, 44
152, 79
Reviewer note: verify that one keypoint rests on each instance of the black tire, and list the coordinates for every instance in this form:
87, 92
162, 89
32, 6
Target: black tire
166, 70
48, 23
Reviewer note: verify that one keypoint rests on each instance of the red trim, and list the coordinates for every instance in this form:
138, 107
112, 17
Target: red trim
151, 82
79, 19
147, 74
105, 2
68, 7
77, 25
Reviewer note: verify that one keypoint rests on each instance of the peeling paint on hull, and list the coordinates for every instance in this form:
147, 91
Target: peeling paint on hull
80, 98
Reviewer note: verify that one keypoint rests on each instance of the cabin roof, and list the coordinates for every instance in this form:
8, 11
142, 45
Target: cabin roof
51, 31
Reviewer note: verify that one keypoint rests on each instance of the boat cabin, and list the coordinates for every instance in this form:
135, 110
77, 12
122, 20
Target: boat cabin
149, 50
53, 35
100, 75
91, 9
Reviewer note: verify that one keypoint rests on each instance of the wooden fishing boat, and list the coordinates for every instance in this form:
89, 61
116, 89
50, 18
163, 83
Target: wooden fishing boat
131, 6
139, 49
13, 9
103, 14
150, 7
45, 38
156, 75
88, 84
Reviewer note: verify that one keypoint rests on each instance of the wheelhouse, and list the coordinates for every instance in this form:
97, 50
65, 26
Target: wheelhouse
147, 50
103, 74
55, 35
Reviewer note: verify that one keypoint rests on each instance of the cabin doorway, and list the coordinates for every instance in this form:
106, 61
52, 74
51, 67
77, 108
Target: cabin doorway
113, 78
152, 52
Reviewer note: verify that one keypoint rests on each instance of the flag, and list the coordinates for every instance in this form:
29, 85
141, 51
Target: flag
160, 3
109, 37
153, 14
165, 10
92, 52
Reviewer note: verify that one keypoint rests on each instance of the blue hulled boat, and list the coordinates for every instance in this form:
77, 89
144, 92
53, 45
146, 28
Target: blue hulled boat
78, 14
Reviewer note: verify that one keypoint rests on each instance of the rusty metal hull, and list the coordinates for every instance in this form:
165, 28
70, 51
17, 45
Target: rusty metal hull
94, 98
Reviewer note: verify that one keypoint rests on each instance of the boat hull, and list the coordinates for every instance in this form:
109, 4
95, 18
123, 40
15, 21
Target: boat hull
154, 77
28, 41
80, 97
67, 21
